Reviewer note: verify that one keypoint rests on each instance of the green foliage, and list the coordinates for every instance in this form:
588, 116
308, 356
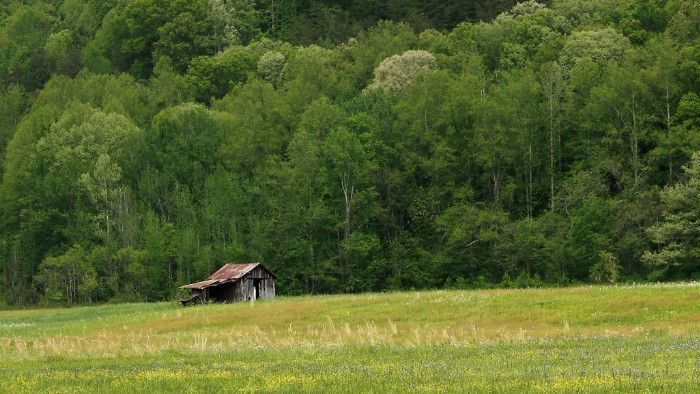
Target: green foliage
23, 59
688, 112
13, 103
213, 77
395, 72
590, 234
271, 67
606, 269
151, 22
183, 144
599, 45
68, 277
60, 52
677, 234
76, 169
234, 22
183, 39
468, 144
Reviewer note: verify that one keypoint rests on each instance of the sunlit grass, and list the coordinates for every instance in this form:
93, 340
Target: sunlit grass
611, 338
615, 364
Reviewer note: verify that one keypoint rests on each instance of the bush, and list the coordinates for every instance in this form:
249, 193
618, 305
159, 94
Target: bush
606, 269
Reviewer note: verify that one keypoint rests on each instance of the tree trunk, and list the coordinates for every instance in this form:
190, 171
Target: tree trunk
312, 261
348, 193
635, 141
529, 183
553, 90
496, 173
668, 132
551, 151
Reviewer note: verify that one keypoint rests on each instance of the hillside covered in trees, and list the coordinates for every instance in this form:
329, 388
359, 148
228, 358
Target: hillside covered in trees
348, 145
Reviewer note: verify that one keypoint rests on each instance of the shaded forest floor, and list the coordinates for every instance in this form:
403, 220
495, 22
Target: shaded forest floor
584, 338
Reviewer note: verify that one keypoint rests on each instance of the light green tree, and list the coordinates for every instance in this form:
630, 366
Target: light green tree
397, 71
271, 67
79, 156
106, 191
599, 45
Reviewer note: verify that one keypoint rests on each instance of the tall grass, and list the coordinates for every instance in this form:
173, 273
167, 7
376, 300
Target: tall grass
393, 319
546, 338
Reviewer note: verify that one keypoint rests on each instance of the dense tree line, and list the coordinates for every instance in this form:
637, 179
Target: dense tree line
144, 143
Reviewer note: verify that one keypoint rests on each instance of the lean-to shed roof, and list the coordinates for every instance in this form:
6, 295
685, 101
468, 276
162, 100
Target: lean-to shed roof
233, 271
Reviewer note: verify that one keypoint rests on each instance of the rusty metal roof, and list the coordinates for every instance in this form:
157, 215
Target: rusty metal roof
200, 285
227, 273
233, 271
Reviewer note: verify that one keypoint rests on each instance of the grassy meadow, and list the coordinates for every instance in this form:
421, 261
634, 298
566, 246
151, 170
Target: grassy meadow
627, 338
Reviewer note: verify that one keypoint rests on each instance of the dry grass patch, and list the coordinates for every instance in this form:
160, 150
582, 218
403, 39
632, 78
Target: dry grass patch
419, 318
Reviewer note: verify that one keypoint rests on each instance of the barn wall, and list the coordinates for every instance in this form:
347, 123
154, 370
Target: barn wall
267, 288
258, 273
266, 284
239, 293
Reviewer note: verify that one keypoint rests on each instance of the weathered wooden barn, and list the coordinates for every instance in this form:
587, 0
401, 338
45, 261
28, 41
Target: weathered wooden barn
233, 283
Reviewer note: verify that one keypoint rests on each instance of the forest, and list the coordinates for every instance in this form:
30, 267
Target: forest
349, 146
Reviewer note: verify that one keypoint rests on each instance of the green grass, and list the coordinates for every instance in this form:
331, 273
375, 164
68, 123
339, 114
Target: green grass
631, 338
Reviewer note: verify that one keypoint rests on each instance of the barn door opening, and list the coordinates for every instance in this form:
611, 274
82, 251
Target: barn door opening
256, 286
